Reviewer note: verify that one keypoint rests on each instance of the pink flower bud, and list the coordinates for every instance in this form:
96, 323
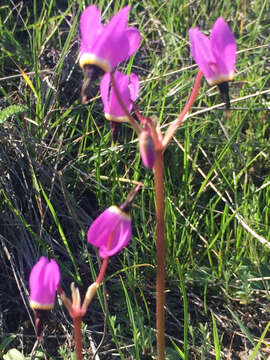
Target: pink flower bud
110, 232
147, 149
43, 281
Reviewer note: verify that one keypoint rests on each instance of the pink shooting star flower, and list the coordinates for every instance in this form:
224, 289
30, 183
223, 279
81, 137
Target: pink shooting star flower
128, 87
43, 281
215, 56
109, 45
110, 232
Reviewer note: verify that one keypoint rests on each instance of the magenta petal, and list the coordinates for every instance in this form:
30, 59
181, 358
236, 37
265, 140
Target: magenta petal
102, 227
112, 46
107, 46
90, 27
120, 238
223, 47
202, 53
112, 40
104, 91
134, 38
126, 45
122, 83
119, 20
110, 232
128, 88
134, 86
43, 281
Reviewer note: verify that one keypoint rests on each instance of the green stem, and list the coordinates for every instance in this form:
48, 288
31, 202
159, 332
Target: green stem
161, 253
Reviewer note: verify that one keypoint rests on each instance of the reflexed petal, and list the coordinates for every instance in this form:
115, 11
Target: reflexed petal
122, 82
111, 46
104, 91
52, 277
223, 47
113, 39
90, 27
120, 238
101, 228
37, 272
201, 52
107, 46
119, 21
43, 281
127, 86
134, 38
134, 86
129, 43
110, 232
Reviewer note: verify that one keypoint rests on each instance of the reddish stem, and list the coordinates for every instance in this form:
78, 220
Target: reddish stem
161, 253
77, 321
102, 270
175, 125
160, 216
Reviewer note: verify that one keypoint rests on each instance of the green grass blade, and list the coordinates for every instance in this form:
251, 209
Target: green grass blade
62, 234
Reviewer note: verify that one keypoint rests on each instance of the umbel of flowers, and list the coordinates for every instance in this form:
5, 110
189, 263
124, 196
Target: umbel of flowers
103, 48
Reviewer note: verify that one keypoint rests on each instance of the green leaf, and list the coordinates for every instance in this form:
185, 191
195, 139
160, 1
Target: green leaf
6, 341
10, 111
14, 354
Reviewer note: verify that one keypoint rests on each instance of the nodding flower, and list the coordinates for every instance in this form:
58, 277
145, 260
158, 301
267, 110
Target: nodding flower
216, 56
110, 232
128, 87
43, 281
106, 46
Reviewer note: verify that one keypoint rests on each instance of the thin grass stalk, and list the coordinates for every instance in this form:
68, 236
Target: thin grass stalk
161, 253
185, 303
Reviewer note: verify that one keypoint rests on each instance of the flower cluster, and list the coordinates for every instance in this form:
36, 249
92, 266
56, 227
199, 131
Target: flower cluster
104, 47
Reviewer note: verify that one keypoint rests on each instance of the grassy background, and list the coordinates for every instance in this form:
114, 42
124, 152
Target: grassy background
60, 169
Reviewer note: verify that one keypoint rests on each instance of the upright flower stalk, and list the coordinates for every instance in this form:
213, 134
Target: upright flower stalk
161, 142
161, 252
216, 59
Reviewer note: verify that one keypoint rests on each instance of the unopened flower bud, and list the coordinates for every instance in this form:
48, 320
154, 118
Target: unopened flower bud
147, 149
